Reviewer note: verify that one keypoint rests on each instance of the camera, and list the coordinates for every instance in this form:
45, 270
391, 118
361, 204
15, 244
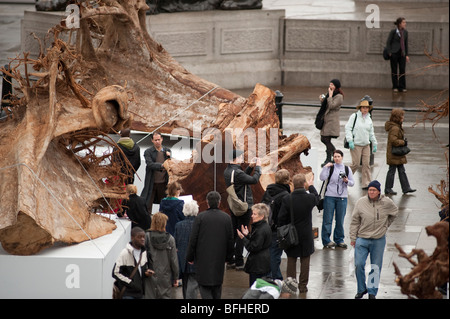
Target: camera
342, 175
322, 96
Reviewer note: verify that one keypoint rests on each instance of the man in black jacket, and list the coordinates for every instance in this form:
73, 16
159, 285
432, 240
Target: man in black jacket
242, 182
156, 177
210, 246
397, 46
302, 203
132, 286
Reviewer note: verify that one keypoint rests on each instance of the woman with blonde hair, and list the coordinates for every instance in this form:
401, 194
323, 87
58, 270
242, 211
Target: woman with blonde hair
396, 137
161, 247
136, 208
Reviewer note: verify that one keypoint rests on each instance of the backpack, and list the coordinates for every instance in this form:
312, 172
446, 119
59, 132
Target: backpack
273, 213
320, 204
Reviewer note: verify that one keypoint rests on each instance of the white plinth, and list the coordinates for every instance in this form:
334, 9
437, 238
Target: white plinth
78, 271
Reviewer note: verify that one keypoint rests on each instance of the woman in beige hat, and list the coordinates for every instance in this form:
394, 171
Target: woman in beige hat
360, 134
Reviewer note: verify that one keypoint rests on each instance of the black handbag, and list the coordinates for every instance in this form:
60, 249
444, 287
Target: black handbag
287, 234
386, 54
400, 150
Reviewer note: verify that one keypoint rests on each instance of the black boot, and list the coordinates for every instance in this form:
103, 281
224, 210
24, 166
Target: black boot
390, 181
404, 181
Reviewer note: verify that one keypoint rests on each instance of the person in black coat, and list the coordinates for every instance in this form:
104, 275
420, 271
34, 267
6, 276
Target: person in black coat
302, 203
156, 177
242, 181
137, 209
397, 46
257, 242
210, 246
273, 197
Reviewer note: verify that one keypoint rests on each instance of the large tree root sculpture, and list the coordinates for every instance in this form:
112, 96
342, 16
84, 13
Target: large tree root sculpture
109, 75
429, 272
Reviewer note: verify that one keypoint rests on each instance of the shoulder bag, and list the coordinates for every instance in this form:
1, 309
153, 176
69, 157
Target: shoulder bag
400, 150
238, 207
118, 293
287, 236
346, 145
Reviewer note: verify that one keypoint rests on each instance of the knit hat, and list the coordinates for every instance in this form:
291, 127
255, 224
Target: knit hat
336, 83
375, 184
289, 285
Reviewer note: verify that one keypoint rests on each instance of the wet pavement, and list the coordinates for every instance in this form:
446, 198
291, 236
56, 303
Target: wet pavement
426, 167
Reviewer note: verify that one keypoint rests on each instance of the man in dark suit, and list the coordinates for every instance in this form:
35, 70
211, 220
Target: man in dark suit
397, 46
156, 177
210, 246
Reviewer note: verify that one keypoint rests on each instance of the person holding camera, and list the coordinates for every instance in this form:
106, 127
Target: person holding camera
337, 177
243, 179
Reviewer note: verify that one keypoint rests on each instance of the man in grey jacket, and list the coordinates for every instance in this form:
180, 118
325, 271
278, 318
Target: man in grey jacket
371, 218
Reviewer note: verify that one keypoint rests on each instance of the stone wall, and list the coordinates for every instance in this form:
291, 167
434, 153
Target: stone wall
317, 51
237, 49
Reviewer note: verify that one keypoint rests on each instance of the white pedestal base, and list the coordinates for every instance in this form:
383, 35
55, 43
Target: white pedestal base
79, 271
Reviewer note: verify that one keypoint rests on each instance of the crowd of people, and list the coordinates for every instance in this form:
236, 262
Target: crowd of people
184, 246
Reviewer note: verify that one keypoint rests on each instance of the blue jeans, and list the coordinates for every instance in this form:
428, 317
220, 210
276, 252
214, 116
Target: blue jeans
364, 247
275, 258
330, 206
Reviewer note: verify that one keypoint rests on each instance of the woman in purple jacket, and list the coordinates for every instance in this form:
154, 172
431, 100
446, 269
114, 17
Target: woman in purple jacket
339, 177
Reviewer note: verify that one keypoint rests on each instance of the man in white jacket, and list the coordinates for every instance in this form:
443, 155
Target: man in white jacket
371, 217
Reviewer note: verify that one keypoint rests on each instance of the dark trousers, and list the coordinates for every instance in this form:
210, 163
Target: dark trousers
398, 70
401, 175
327, 141
291, 271
210, 292
238, 243
158, 193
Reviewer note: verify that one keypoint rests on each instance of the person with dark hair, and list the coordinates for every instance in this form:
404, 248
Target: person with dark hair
156, 177
332, 101
242, 181
337, 177
397, 46
210, 246
129, 282
396, 137
172, 206
371, 218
